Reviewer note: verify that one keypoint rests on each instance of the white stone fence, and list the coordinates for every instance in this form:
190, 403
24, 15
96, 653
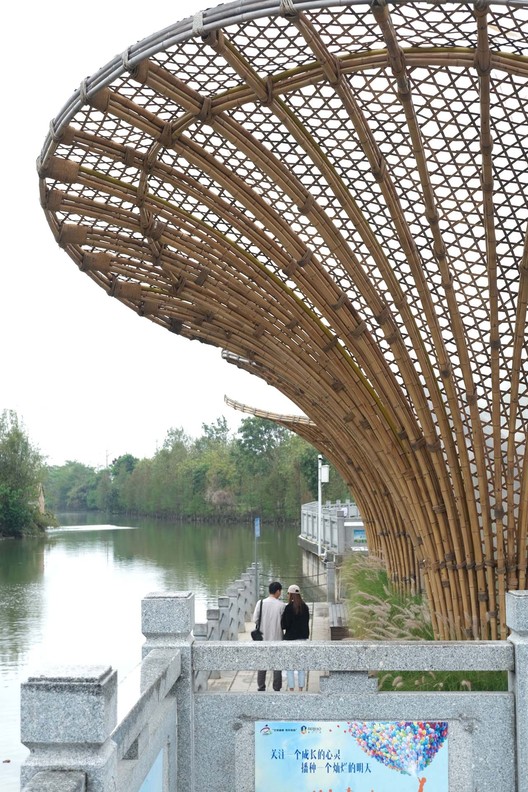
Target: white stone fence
228, 619
340, 530
176, 738
234, 609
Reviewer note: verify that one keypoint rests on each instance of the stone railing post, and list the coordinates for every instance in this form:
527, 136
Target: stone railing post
253, 571
223, 622
238, 586
167, 621
348, 536
248, 579
517, 621
67, 716
245, 578
213, 633
328, 521
330, 581
341, 538
243, 597
254, 595
232, 595
200, 677
235, 593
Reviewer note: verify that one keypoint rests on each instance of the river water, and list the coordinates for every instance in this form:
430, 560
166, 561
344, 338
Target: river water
75, 596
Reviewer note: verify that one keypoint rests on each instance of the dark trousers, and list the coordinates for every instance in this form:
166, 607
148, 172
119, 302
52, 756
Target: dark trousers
277, 680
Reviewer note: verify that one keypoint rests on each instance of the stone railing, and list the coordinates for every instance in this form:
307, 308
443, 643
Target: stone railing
341, 532
228, 619
341, 524
177, 738
234, 609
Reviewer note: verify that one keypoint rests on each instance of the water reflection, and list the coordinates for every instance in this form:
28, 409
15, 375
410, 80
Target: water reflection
75, 597
21, 575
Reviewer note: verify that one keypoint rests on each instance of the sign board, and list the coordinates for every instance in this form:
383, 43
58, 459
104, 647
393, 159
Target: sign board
257, 527
351, 756
359, 535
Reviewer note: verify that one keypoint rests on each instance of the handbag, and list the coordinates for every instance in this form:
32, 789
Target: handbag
256, 634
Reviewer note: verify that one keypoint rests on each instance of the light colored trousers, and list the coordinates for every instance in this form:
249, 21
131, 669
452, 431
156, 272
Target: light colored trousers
301, 678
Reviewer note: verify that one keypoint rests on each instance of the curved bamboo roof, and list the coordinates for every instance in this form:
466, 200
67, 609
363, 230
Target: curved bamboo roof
334, 193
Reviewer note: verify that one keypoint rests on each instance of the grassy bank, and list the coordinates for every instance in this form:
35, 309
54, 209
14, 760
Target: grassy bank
377, 613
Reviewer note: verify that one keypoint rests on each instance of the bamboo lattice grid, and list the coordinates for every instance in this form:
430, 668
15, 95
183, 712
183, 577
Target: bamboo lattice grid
334, 194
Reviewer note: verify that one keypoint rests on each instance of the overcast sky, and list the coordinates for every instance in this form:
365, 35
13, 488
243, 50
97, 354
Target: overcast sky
89, 378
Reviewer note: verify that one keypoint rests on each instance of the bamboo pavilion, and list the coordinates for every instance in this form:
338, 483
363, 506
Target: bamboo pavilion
334, 193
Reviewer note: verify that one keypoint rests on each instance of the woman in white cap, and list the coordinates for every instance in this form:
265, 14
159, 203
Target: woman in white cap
295, 622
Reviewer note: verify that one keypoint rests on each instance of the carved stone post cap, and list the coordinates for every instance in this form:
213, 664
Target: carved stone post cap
517, 611
69, 705
167, 613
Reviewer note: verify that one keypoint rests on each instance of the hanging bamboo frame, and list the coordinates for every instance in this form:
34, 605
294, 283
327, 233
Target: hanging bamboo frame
334, 194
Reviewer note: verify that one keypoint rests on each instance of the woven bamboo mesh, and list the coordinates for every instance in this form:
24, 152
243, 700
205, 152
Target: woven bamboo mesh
335, 196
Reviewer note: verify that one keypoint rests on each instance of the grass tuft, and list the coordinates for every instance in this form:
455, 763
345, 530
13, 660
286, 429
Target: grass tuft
377, 613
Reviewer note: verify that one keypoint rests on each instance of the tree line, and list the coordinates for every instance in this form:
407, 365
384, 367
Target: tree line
22, 472
261, 469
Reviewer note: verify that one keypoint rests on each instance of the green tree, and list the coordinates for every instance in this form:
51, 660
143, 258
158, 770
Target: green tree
213, 469
169, 486
264, 469
176, 440
139, 488
263, 453
216, 433
308, 464
21, 474
258, 441
72, 487
103, 494
118, 481
123, 464
335, 489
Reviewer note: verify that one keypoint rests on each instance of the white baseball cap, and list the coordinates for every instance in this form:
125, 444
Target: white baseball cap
294, 589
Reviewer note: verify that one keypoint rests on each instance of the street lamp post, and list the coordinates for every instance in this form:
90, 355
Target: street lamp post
257, 536
322, 478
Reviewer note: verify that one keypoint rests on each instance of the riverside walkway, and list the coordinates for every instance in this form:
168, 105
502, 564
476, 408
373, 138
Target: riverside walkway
246, 681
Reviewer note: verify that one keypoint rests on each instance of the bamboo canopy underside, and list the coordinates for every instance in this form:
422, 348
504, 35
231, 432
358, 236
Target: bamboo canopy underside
335, 195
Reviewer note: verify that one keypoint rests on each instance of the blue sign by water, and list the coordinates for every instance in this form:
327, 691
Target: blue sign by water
257, 527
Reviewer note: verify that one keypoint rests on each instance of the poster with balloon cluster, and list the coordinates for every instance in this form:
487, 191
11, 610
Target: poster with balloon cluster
351, 756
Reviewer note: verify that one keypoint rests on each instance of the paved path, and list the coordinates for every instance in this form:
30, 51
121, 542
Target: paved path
246, 681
